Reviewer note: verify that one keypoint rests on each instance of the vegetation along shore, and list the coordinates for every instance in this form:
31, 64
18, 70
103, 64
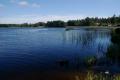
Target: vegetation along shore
113, 21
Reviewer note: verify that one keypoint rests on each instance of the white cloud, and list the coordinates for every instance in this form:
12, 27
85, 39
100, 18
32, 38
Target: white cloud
23, 3
39, 18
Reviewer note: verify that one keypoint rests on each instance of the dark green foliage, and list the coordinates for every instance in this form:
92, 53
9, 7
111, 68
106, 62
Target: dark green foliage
38, 24
90, 60
116, 36
55, 24
110, 21
23, 25
73, 23
113, 52
117, 31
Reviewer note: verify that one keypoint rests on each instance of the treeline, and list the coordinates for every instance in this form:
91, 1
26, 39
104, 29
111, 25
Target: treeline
110, 21
94, 21
23, 25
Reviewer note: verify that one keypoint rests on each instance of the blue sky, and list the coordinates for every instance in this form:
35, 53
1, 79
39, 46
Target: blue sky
31, 11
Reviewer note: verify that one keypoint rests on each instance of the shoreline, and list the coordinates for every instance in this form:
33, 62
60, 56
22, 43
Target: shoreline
66, 26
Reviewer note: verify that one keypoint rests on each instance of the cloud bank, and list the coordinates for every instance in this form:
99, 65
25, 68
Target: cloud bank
38, 18
25, 3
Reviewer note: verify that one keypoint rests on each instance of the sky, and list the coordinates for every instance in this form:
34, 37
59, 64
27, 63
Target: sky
32, 11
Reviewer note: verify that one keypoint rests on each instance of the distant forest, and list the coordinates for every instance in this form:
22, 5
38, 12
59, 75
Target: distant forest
94, 21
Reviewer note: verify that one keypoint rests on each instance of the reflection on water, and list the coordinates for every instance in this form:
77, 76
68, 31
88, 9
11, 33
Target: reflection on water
91, 40
29, 50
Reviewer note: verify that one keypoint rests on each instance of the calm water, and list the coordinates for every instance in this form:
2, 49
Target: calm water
28, 49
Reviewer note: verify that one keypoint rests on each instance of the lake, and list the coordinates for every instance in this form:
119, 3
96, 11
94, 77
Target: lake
37, 50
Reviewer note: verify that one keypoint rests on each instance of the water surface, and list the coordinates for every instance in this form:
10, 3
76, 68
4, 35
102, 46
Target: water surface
30, 49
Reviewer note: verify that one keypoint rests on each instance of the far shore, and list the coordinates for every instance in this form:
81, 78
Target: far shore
91, 27
70, 27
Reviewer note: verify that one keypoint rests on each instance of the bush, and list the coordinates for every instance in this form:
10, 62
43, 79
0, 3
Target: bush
90, 60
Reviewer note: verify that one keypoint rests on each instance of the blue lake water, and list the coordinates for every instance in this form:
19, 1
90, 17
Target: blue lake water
25, 49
